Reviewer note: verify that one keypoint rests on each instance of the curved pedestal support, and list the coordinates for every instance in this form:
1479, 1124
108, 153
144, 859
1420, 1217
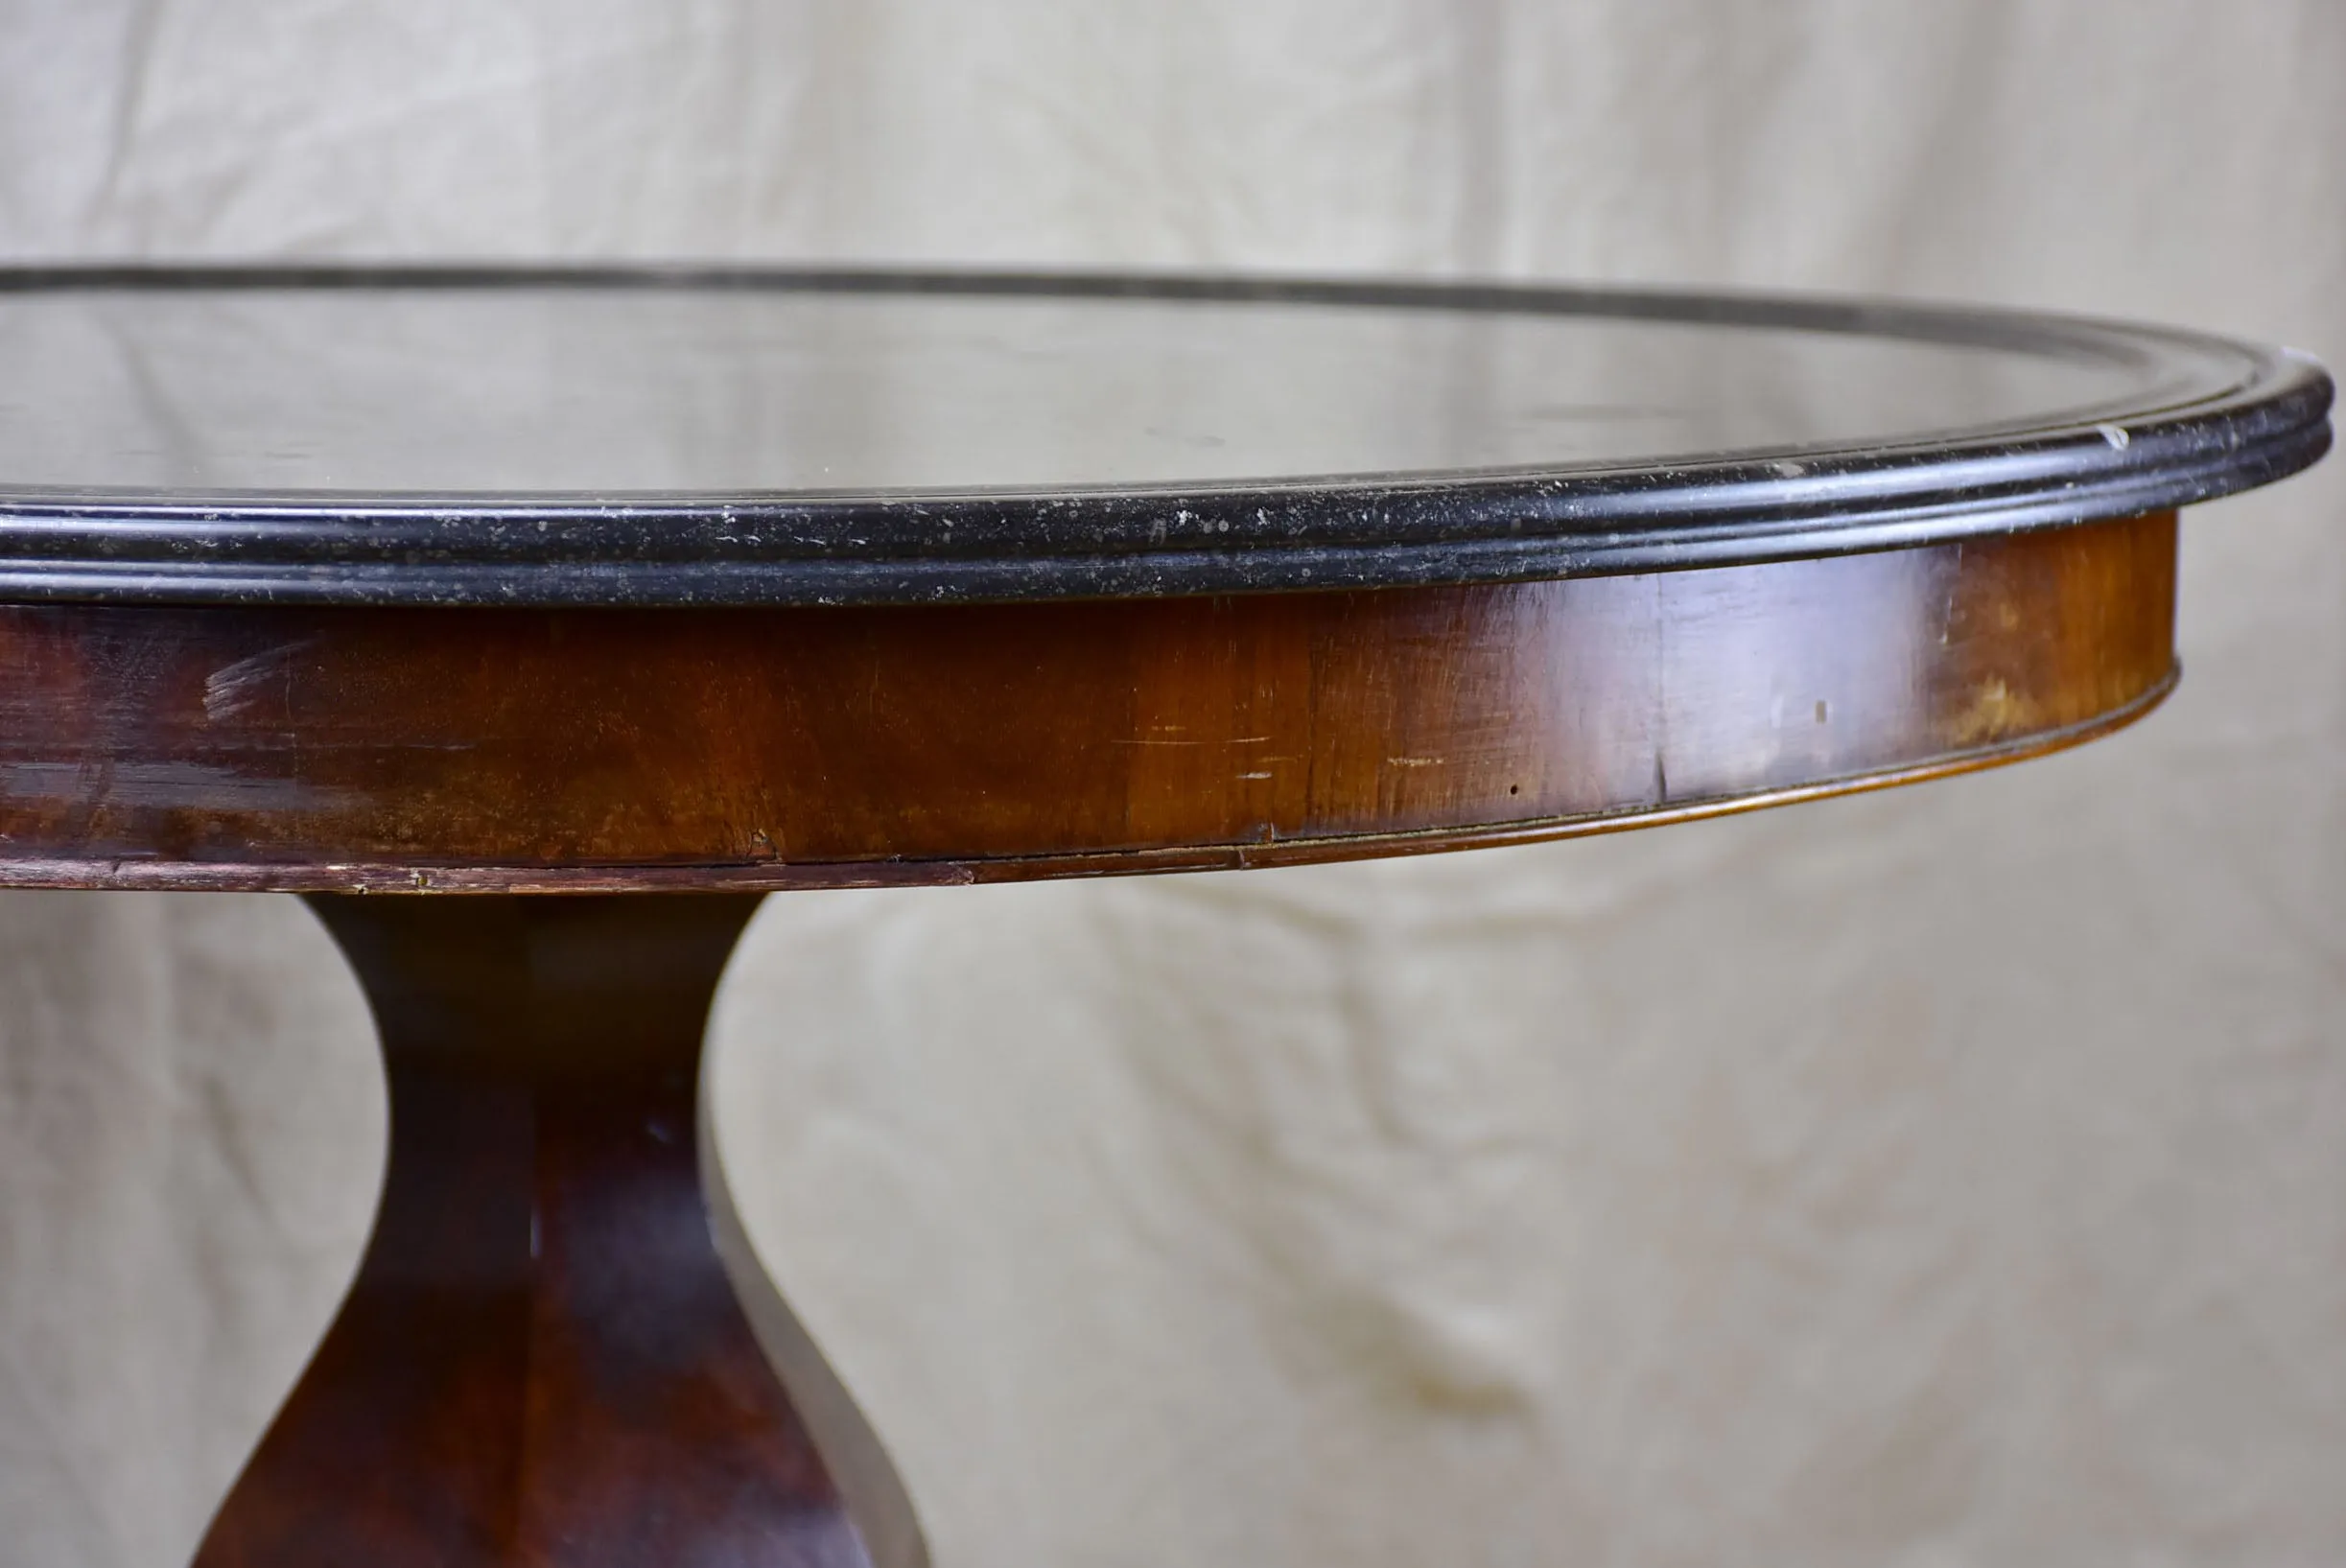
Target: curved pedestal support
543, 1361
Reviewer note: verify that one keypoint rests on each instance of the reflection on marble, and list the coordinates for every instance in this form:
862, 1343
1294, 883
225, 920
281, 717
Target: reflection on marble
590, 389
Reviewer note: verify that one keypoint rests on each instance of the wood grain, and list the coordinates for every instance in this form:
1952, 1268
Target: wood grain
522, 750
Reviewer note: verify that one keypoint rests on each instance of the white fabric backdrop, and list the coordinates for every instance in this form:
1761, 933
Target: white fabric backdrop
1944, 1177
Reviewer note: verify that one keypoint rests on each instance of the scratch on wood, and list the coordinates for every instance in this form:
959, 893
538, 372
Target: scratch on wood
235, 687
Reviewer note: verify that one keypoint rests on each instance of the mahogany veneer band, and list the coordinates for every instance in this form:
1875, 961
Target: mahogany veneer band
351, 749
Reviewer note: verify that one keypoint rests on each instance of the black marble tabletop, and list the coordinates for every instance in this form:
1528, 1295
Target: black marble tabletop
617, 435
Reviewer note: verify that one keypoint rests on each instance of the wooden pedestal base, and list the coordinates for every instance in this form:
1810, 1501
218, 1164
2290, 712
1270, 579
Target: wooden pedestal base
543, 1361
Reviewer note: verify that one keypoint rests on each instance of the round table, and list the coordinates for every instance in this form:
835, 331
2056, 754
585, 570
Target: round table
605, 582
